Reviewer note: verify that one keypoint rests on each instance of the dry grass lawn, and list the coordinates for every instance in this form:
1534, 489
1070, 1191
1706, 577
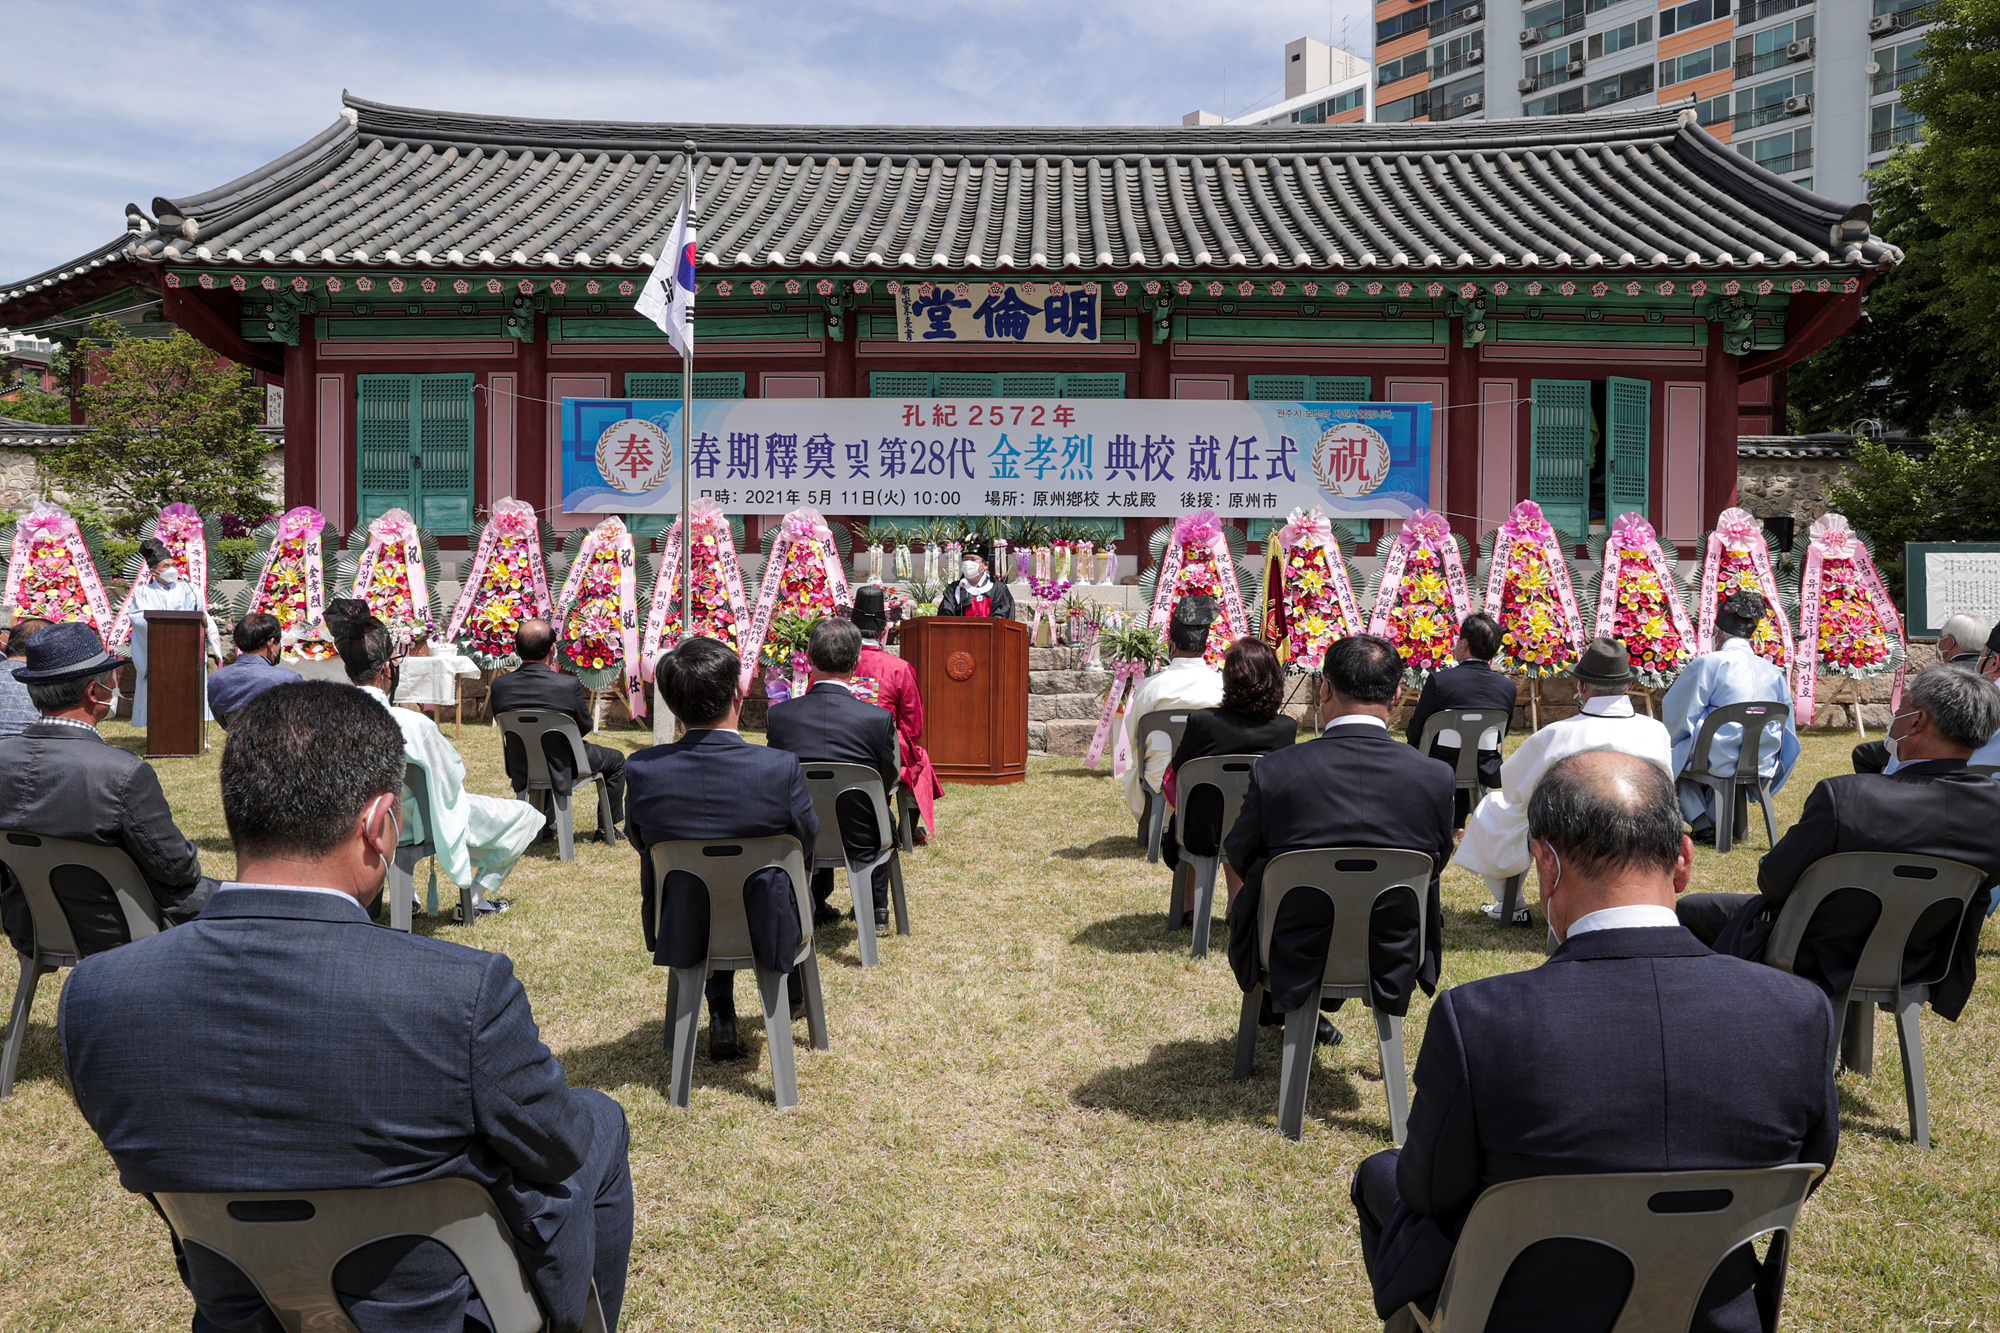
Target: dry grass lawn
1026, 1120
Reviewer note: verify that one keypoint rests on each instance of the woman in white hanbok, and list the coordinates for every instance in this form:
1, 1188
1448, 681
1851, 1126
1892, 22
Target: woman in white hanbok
164, 590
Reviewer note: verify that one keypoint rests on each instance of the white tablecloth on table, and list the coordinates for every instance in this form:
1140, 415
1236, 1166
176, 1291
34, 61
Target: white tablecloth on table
434, 679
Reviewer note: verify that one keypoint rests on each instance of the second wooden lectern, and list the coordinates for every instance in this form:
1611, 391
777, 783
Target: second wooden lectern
973, 674
176, 684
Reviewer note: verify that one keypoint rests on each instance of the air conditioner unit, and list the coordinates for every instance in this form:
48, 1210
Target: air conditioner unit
1573, 67
1472, 101
1528, 85
1529, 36
1477, 55
1802, 49
1798, 106
1471, 13
1884, 24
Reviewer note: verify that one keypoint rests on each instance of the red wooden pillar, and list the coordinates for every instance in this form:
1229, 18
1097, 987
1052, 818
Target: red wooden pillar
1718, 436
1156, 363
1460, 501
842, 380
532, 424
301, 421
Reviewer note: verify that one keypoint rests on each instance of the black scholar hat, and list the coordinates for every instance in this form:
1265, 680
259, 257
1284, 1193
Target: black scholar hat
870, 612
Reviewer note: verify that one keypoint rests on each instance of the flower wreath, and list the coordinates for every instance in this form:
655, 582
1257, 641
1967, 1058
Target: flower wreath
1847, 624
393, 574
1420, 595
1528, 590
717, 579
598, 613
180, 529
1309, 597
292, 583
802, 577
1738, 559
1197, 562
1639, 603
52, 571
506, 583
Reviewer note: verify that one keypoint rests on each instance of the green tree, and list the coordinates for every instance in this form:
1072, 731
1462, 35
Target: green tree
50, 409
1911, 363
1959, 168
1951, 496
171, 422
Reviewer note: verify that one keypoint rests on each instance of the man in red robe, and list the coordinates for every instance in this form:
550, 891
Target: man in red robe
887, 681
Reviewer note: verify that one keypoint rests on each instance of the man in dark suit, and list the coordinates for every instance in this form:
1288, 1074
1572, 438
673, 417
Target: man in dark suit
1932, 805
536, 684
828, 725
1354, 786
259, 641
711, 784
1959, 640
1633, 1048
282, 1042
1473, 683
59, 778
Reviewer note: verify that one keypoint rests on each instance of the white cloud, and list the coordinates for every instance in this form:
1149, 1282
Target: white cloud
182, 100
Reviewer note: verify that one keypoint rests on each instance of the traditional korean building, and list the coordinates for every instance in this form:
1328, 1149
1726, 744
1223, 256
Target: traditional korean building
1587, 303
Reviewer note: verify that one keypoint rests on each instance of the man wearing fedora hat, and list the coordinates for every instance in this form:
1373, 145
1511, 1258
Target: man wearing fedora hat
1496, 837
59, 778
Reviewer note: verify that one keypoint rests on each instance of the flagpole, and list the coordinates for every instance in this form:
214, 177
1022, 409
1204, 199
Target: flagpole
687, 415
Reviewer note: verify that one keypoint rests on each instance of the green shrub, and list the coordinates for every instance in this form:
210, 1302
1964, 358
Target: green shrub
227, 555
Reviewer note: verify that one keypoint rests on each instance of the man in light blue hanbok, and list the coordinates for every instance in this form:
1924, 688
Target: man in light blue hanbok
478, 838
1732, 674
161, 589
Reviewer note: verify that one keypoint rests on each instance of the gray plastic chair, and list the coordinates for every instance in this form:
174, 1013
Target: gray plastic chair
724, 865
1172, 721
531, 727
1675, 1227
289, 1243
33, 858
1228, 774
1513, 897
1353, 878
1470, 724
402, 882
1732, 790
1906, 886
826, 782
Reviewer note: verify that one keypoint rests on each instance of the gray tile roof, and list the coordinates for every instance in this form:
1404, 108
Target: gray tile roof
1823, 444
1647, 189
111, 253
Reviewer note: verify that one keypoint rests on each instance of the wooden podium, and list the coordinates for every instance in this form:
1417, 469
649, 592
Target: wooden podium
176, 684
973, 674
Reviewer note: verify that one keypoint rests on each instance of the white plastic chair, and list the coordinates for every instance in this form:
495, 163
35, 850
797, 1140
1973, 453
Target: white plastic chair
1172, 722
530, 727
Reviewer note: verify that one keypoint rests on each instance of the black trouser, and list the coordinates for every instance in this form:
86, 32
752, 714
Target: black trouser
1871, 757
860, 838
604, 760
1489, 777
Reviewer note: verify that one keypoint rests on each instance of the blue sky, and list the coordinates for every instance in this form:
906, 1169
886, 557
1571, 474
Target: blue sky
108, 101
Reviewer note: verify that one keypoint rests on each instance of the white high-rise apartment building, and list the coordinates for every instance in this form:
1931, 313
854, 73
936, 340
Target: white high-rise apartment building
1807, 88
1322, 83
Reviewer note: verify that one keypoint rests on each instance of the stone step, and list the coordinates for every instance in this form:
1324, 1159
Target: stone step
1064, 736
1049, 707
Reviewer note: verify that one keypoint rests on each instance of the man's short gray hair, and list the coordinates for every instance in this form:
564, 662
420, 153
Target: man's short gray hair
1963, 705
1967, 630
63, 695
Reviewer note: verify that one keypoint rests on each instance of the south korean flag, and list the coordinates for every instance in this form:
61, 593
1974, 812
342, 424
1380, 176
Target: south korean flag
668, 297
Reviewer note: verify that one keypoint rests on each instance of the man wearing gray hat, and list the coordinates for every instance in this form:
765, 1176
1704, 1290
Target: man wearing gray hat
1496, 836
60, 779
1732, 674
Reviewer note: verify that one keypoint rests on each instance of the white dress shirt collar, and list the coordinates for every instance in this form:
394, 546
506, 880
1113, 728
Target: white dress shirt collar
1357, 720
347, 898
837, 684
1623, 918
720, 731
1608, 705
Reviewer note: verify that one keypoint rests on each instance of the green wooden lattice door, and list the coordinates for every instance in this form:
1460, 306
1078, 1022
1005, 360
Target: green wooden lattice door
1628, 442
1559, 454
707, 384
414, 449
1310, 388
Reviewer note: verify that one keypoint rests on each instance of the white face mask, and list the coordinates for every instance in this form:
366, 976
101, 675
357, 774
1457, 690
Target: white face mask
970, 570
168, 575
1890, 742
